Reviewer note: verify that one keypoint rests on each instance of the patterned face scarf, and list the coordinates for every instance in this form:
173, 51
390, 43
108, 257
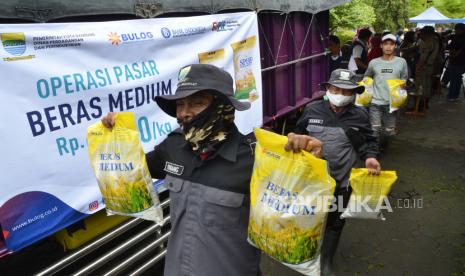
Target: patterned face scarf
210, 127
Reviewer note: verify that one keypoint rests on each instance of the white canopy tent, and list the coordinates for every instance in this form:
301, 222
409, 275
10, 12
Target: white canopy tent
432, 16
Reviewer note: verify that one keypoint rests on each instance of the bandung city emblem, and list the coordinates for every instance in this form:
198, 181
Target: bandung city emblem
14, 43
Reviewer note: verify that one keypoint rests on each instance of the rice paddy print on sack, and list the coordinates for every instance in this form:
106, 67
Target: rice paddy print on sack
290, 196
118, 162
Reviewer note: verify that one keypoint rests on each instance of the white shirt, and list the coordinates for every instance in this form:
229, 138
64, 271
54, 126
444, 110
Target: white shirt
356, 53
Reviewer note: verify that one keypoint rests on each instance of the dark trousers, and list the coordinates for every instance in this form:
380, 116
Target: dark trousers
334, 222
455, 74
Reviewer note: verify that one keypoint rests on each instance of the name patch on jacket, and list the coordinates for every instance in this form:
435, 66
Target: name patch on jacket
173, 168
387, 70
316, 121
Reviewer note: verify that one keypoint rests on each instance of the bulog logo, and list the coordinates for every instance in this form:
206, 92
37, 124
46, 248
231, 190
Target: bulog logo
117, 39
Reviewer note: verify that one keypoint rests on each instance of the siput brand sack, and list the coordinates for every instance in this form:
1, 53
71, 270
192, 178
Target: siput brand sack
215, 57
243, 59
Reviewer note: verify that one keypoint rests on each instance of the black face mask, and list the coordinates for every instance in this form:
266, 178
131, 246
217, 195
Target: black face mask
210, 127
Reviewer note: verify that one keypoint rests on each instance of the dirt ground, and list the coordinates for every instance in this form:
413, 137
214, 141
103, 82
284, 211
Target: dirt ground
425, 233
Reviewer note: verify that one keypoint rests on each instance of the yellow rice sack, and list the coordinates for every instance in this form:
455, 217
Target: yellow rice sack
290, 196
119, 165
243, 60
397, 95
369, 194
215, 57
364, 99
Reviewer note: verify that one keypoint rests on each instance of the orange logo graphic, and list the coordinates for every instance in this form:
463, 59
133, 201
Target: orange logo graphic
114, 38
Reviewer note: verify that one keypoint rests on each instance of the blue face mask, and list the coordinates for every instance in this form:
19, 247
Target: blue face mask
339, 100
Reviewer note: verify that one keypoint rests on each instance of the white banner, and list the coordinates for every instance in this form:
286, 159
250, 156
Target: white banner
57, 79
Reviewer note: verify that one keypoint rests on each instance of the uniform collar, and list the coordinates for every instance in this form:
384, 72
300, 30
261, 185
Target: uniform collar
228, 150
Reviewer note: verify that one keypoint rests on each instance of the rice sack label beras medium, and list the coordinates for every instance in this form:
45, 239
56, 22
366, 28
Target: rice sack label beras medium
290, 196
118, 162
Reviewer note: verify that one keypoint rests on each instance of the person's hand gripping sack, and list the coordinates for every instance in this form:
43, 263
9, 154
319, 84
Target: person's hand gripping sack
373, 165
297, 142
108, 120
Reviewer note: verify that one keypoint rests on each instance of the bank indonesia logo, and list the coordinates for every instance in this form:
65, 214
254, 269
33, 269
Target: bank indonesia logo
165, 32
14, 43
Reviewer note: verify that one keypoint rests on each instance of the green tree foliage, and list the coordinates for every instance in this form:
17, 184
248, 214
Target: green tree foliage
418, 6
390, 14
451, 8
344, 35
353, 15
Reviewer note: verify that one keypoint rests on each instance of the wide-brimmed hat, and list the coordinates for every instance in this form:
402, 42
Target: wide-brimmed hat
200, 77
345, 79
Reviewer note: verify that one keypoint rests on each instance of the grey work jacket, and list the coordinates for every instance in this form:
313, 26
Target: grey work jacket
319, 121
209, 207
